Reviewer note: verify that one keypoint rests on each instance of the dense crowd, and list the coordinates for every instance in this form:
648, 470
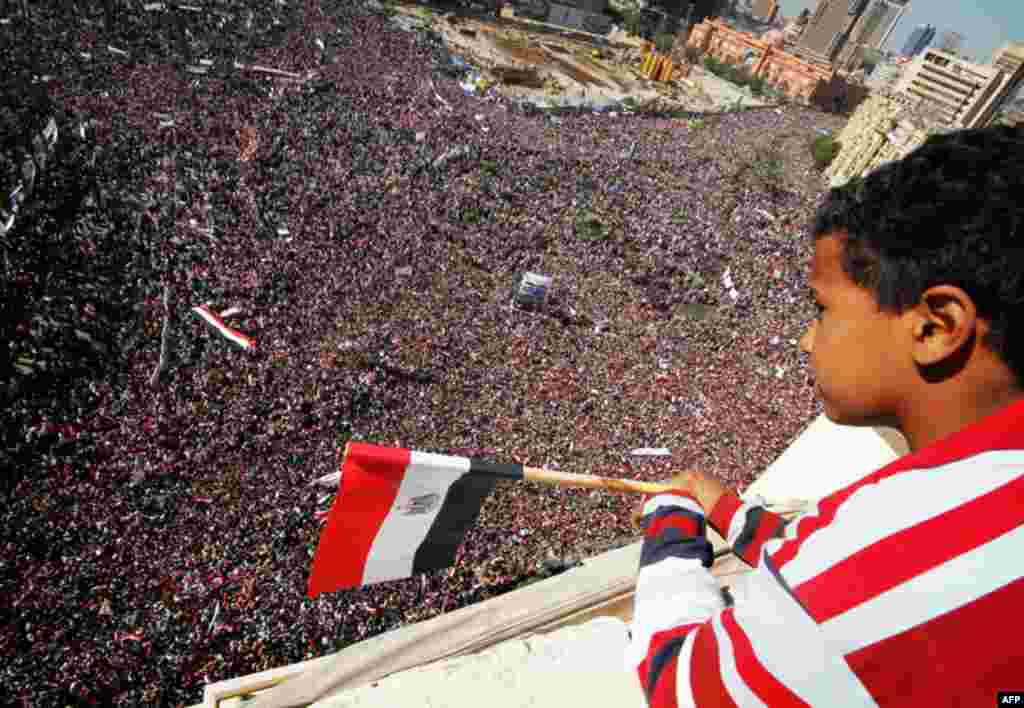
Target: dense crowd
366, 221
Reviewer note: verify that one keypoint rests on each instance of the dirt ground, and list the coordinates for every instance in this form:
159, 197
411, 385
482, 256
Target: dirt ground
531, 61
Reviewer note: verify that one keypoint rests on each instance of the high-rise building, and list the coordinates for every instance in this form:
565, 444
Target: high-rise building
839, 30
795, 27
918, 40
1010, 59
764, 10
950, 42
955, 92
703, 9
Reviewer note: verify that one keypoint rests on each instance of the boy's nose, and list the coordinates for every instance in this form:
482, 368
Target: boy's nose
807, 341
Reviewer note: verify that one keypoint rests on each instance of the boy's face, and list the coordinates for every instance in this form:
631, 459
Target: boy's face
857, 351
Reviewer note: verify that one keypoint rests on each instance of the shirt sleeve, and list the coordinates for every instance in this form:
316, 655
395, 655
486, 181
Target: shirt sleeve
688, 647
746, 526
675, 594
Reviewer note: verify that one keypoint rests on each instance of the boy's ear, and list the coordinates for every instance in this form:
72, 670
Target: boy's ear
944, 322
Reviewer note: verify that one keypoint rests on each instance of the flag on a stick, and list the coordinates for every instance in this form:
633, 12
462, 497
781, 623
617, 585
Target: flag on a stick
399, 512
217, 323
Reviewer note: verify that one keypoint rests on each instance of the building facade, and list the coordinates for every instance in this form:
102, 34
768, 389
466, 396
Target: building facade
765, 10
1010, 59
918, 40
795, 28
839, 30
803, 79
586, 15
950, 42
956, 92
884, 128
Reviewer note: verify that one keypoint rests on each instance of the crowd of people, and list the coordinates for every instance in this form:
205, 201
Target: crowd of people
324, 177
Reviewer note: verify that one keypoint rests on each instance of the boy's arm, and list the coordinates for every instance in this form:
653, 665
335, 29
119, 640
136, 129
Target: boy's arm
746, 526
688, 648
675, 594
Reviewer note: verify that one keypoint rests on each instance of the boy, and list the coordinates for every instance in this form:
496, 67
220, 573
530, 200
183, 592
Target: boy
907, 587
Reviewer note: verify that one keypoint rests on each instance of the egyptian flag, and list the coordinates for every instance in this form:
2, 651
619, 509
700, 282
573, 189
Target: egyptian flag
399, 512
217, 323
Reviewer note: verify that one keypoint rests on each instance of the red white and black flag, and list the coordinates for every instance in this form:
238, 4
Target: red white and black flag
399, 512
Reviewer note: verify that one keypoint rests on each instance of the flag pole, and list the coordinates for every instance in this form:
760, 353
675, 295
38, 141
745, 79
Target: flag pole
590, 481
544, 476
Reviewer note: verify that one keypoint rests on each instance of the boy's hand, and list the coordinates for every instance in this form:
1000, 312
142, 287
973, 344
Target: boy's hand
707, 491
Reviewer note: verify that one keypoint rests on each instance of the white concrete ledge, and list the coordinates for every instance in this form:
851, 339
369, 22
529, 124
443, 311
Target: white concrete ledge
576, 665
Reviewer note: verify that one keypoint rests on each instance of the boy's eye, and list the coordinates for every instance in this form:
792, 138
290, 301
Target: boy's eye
819, 310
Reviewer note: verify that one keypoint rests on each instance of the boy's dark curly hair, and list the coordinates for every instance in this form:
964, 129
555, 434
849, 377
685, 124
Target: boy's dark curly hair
950, 212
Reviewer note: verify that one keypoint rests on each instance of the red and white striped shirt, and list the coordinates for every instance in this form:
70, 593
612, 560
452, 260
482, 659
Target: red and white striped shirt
905, 588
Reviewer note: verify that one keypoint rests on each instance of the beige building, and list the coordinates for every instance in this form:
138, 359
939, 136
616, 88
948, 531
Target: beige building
839, 29
884, 128
959, 93
937, 92
765, 10
1010, 59
795, 28
792, 32
871, 31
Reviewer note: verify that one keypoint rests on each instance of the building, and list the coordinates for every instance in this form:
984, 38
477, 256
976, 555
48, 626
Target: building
804, 79
839, 30
765, 10
884, 128
586, 15
950, 42
1010, 59
871, 31
703, 9
795, 27
918, 40
885, 76
956, 92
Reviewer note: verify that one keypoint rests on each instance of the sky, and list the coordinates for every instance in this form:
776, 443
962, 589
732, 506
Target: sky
985, 24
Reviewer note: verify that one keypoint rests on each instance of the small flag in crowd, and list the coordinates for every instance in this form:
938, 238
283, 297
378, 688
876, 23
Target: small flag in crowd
399, 512
217, 322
